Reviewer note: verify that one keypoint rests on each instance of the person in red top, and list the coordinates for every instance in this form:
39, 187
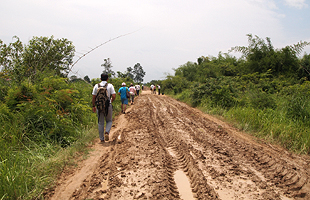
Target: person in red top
133, 92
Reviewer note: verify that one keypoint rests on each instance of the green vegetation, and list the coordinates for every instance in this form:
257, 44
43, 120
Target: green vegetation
265, 92
46, 118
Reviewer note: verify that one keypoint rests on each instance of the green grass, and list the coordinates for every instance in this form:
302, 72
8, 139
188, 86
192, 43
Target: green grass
38, 138
27, 172
273, 125
28, 167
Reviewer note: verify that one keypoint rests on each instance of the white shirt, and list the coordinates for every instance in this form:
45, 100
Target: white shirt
110, 88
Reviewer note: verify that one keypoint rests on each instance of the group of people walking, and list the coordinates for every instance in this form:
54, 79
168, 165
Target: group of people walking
125, 94
153, 89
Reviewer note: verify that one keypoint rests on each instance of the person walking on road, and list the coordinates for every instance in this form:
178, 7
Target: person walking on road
152, 89
133, 92
158, 88
137, 89
104, 135
123, 92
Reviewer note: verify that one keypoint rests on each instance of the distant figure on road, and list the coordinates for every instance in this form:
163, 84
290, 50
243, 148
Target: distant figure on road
137, 89
158, 87
133, 92
152, 88
123, 92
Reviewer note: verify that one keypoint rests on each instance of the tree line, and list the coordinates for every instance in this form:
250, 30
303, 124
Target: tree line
265, 91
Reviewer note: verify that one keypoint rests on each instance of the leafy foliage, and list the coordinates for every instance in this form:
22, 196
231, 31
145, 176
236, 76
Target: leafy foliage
107, 67
87, 79
138, 72
262, 56
39, 108
218, 94
175, 84
41, 55
130, 73
266, 90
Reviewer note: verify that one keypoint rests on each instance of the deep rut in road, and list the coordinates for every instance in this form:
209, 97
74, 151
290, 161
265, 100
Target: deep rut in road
160, 136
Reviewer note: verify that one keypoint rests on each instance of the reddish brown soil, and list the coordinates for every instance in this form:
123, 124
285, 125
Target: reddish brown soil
159, 136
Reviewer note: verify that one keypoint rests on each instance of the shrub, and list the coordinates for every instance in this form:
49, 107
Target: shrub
223, 97
20, 94
262, 100
298, 109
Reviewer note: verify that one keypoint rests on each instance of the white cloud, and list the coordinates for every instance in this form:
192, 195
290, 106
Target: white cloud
269, 4
296, 3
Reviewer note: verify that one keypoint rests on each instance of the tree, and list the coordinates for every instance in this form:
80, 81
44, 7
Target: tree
10, 56
130, 73
41, 55
121, 74
258, 54
188, 71
47, 54
261, 56
304, 70
107, 67
73, 77
138, 72
87, 79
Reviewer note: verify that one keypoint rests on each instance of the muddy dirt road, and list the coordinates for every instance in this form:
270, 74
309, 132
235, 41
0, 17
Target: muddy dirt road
164, 149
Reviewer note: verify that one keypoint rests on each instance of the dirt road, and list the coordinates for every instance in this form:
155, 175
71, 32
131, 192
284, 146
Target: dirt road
164, 149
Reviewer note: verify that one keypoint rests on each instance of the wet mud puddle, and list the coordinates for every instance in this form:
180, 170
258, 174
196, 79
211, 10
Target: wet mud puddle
183, 185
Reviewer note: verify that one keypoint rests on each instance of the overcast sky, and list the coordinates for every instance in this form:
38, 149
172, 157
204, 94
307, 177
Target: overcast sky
164, 33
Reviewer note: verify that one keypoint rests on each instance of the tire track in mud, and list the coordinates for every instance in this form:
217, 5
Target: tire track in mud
163, 136
275, 176
268, 176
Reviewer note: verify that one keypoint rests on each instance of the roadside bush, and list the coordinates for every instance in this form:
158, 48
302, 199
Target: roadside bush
218, 90
185, 96
199, 92
223, 97
52, 110
4, 87
18, 95
10, 130
36, 119
174, 83
262, 100
297, 101
298, 108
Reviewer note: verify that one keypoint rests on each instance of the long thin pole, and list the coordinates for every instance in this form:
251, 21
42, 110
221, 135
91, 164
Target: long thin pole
97, 48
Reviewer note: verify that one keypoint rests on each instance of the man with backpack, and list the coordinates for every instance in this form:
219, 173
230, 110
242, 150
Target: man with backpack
103, 96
